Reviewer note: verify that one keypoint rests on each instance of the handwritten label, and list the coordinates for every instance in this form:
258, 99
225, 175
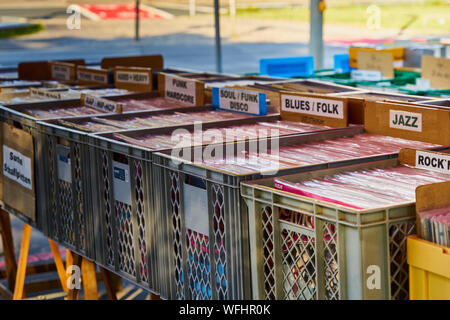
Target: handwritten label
60, 72
132, 77
405, 120
433, 161
44, 94
90, 76
121, 182
245, 101
17, 167
101, 104
437, 70
313, 106
180, 89
375, 60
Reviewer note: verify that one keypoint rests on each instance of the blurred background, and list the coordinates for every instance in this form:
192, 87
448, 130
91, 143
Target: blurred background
249, 29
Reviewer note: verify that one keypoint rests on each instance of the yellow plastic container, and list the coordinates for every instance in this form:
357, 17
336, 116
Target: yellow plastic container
429, 270
397, 54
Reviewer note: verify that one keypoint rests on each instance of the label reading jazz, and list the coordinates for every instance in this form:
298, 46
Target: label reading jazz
246, 101
180, 89
405, 120
102, 104
17, 167
433, 161
44, 94
121, 182
92, 77
313, 106
60, 72
133, 77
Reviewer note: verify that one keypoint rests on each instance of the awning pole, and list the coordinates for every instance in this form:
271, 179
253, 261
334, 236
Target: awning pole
218, 44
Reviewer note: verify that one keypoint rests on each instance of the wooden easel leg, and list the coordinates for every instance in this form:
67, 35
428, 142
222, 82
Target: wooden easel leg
153, 296
73, 292
59, 264
89, 280
22, 266
8, 249
109, 285
69, 258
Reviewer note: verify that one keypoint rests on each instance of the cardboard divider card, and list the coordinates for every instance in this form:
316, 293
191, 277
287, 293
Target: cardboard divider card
151, 61
62, 71
408, 121
377, 61
437, 71
18, 171
314, 108
87, 75
43, 94
187, 91
246, 101
101, 104
133, 78
40, 70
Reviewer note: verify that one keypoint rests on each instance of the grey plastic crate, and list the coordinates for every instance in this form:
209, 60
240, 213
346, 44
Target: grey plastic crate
306, 249
205, 222
126, 225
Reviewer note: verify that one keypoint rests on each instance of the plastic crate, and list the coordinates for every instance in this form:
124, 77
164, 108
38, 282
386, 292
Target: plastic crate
429, 270
205, 222
126, 225
340, 257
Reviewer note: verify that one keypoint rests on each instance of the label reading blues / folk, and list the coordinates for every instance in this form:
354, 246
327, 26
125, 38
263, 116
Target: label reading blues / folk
17, 167
313, 106
180, 89
405, 120
246, 101
433, 161
121, 182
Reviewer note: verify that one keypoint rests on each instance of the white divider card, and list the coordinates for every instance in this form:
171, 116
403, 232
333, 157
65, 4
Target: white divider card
63, 163
42, 94
17, 167
433, 161
405, 120
180, 89
366, 75
322, 107
121, 182
101, 104
246, 101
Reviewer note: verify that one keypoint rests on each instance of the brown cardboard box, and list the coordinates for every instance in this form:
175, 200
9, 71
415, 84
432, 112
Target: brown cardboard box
153, 62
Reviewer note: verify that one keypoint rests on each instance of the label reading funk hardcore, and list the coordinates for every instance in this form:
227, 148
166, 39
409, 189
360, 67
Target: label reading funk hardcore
313, 106
180, 89
246, 101
17, 167
405, 120
433, 161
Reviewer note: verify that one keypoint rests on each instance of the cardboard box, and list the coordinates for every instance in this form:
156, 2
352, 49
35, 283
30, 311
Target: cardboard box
152, 61
39, 70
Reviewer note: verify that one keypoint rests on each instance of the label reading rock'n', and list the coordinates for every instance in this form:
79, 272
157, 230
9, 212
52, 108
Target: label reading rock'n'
102, 104
313, 106
404, 120
252, 102
180, 89
17, 167
60, 72
44, 94
133, 77
433, 161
